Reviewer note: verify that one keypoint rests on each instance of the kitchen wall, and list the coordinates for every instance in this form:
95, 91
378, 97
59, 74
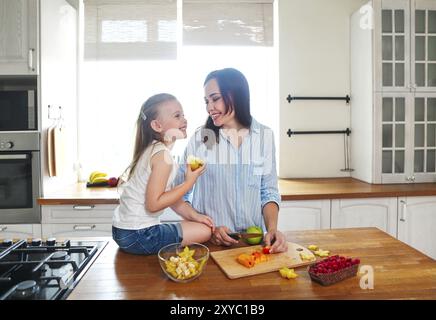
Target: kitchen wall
314, 60
58, 85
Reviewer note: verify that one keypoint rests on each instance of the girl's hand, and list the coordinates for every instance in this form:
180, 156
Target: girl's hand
278, 241
202, 218
192, 176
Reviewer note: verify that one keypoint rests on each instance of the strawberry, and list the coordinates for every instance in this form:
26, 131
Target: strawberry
266, 250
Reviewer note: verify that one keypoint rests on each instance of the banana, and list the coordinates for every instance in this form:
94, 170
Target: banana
96, 174
99, 179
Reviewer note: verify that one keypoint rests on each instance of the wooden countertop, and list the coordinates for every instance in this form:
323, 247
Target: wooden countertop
290, 189
400, 272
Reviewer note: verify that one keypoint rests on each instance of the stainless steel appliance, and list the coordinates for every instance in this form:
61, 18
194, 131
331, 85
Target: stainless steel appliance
20, 182
18, 104
44, 270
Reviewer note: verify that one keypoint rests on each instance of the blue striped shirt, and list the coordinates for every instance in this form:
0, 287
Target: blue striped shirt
238, 182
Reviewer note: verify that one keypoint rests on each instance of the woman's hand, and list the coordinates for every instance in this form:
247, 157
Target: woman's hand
192, 176
278, 241
220, 237
202, 218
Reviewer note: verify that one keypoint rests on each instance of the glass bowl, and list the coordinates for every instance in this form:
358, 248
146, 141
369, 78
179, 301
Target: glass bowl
183, 263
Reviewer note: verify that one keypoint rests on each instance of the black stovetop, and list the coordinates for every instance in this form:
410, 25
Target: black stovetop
44, 270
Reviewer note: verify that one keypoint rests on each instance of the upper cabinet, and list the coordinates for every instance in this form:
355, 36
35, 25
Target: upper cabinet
406, 32
392, 36
393, 89
19, 37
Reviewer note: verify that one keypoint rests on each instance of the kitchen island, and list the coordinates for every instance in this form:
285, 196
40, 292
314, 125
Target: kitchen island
400, 272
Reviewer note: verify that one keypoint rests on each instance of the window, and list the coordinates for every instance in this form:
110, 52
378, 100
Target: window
134, 49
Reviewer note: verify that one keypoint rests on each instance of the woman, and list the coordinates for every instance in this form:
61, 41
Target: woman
239, 189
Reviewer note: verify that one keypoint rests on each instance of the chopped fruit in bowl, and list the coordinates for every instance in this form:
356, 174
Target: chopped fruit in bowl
183, 263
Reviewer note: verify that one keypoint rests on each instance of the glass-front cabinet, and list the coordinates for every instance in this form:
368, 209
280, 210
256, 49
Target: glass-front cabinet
394, 34
405, 97
423, 51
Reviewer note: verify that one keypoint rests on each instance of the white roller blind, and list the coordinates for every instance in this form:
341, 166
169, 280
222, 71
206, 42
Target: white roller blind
239, 22
130, 30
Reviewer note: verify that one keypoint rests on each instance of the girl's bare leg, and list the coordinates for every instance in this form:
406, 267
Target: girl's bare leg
195, 232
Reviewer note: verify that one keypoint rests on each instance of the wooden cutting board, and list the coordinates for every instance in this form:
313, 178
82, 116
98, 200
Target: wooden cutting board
59, 142
50, 153
226, 260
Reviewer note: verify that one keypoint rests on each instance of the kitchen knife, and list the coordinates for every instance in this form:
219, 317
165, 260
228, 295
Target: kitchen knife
244, 235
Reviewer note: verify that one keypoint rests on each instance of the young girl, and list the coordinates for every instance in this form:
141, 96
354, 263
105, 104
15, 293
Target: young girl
136, 225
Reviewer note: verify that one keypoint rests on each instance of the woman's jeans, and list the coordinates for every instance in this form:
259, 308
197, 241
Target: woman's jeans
148, 240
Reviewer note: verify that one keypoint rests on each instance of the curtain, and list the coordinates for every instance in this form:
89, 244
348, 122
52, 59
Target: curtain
130, 30
229, 23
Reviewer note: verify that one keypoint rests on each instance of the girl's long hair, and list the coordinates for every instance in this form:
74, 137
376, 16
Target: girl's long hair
236, 95
145, 134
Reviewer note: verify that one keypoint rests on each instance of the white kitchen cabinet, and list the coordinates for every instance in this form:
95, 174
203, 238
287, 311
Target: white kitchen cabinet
78, 213
417, 223
77, 220
393, 92
20, 231
74, 230
365, 212
19, 27
304, 215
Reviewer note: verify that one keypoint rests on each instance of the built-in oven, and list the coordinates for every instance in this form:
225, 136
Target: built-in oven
20, 182
18, 104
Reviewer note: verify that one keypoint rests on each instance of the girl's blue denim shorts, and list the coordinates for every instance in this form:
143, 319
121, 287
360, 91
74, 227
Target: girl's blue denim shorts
148, 240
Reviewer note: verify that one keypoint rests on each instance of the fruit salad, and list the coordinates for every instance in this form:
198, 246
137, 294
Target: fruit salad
184, 266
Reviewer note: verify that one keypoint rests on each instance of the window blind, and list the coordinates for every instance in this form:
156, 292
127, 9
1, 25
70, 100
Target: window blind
130, 29
238, 23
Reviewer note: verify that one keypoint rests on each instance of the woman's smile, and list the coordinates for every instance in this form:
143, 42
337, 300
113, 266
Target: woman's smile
215, 115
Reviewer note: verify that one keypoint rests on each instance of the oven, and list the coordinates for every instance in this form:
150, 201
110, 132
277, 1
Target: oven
19, 177
18, 104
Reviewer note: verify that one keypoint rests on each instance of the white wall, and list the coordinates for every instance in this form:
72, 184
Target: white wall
314, 60
58, 83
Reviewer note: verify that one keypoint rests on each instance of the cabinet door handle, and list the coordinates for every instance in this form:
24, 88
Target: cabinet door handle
84, 227
80, 207
403, 211
30, 59
3, 228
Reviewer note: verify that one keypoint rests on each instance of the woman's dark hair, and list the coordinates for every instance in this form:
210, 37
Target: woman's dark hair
236, 95
145, 134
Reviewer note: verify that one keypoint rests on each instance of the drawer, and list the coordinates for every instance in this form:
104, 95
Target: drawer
20, 231
73, 230
101, 213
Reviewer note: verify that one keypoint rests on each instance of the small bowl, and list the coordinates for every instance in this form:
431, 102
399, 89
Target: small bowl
198, 261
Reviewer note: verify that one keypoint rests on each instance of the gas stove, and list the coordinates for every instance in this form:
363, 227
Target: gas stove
44, 270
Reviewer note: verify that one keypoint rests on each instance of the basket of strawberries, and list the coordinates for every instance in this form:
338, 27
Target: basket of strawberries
333, 269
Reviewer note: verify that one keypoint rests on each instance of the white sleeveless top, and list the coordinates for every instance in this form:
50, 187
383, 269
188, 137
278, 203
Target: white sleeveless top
131, 213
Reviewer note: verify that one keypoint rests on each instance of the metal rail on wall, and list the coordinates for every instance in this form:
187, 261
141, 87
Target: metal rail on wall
346, 98
346, 134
